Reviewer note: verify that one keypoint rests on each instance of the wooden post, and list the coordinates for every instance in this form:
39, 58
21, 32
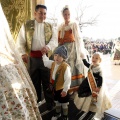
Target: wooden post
33, 4
41, 2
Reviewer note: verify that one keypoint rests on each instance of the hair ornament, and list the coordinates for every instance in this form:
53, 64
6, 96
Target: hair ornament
66, 6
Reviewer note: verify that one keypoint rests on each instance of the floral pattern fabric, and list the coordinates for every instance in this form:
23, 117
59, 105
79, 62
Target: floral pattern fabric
17, 100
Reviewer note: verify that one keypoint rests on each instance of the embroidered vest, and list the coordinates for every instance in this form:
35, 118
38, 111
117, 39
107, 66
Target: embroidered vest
68, 37
59, 75
29, 30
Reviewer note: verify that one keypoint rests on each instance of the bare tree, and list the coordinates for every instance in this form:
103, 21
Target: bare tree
80, 11
52, 16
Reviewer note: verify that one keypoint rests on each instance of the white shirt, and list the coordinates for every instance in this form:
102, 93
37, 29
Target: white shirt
67, 75
38, 38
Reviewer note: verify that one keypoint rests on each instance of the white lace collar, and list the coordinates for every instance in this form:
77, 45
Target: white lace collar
95, 69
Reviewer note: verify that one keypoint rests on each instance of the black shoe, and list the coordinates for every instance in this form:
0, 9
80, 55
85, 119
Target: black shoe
65, 117
89, 116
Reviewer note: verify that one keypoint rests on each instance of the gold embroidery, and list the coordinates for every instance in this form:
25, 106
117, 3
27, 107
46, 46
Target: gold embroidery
17, 12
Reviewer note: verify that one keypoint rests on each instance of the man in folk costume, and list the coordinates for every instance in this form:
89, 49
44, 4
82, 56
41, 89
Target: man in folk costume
92, 98
69, 36
37, 37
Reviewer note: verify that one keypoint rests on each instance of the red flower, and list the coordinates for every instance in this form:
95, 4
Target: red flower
13, 103
3, 106
6, 113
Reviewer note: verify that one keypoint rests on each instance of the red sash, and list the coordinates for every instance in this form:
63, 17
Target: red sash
36, 54
52, 81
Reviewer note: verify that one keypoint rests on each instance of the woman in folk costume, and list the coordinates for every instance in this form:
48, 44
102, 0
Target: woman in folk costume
17, 94
92, 98
69, 36
116, 52
60, 79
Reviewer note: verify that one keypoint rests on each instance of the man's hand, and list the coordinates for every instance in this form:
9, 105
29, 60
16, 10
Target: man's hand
45, 50
63, 94
25, 58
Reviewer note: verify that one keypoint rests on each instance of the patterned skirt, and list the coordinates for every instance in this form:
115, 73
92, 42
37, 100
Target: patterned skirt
17, 100
77, 71
117, 55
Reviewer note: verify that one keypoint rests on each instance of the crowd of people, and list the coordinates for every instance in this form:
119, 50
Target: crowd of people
54, 58
95, 46
111, 47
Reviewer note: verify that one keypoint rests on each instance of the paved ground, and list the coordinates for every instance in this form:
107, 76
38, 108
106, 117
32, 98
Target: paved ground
111, 71
112, 79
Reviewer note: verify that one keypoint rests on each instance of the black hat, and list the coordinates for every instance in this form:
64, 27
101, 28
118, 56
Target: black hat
62, 51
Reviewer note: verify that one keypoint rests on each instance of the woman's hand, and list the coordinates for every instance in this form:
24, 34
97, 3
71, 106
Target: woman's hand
82, 55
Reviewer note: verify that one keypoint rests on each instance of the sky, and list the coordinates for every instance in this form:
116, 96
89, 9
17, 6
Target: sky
108, 12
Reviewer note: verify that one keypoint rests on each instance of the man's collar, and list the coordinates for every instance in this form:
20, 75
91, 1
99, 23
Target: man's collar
38, 22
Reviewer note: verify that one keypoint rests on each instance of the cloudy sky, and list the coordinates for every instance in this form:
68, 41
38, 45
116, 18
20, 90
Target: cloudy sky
108, 12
